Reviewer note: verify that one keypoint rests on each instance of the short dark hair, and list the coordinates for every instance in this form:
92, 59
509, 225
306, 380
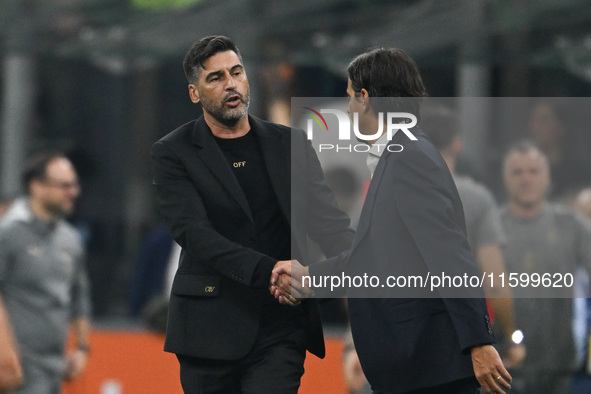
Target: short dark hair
525, 146
35, 167
203, 50
441, 124
390, 73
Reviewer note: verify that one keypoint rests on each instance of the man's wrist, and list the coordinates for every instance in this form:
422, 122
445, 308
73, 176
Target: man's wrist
263, 271
479, 346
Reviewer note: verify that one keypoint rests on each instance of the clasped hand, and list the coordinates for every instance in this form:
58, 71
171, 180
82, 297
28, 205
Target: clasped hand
287, 284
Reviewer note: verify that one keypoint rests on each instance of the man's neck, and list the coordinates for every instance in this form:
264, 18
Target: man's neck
221, 130
450, 160
40, 212
374, 125
522, 211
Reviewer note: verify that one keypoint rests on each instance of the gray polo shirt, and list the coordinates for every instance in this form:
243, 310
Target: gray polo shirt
558, 240
483, 218
43, 283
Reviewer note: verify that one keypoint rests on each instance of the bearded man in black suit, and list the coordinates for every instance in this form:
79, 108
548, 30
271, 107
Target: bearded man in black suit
223, 186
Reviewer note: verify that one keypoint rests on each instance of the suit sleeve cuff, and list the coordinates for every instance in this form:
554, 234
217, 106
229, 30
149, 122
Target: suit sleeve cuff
262, 272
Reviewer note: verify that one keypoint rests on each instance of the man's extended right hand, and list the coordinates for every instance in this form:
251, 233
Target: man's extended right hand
286, 282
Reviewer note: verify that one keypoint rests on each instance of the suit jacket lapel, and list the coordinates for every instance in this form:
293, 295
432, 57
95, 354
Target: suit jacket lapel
213, 158
277, 156
366, 211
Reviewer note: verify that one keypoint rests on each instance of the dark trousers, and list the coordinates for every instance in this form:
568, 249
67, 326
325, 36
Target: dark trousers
274, 365
463, 386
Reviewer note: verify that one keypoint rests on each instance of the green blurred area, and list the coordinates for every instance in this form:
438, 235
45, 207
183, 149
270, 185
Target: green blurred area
163, 4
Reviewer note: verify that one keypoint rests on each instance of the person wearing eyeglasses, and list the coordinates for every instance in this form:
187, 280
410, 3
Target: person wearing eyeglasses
44, 288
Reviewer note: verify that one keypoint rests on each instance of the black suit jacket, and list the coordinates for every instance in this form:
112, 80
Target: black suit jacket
215, 304
412, 223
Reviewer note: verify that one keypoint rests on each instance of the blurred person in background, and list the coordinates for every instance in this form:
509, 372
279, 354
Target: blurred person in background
5, 203
44, 288
355, 380
582, 202
224, 184
549, 129
582, 379
542, 238
151, 266
155, 266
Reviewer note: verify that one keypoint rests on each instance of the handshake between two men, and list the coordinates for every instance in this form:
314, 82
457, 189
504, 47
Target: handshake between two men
287, 284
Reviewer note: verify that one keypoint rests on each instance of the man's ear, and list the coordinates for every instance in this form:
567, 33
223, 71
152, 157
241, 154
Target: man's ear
35, 187
364, 95
193, 93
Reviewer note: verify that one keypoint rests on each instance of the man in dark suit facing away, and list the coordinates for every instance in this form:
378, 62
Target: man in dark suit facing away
223, 186
412, 222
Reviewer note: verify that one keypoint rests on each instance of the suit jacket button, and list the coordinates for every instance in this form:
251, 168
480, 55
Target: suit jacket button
488, 325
